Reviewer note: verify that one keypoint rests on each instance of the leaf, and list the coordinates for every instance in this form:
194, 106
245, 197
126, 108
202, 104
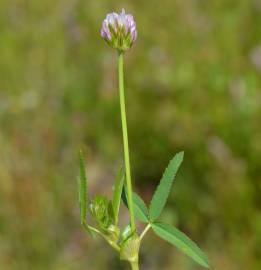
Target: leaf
140, 209
181, 241
161, 194
116, 200
82, 180
126, 232
124, 196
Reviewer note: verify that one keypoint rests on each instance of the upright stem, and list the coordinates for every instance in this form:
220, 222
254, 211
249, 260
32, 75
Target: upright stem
134, 266
125, 142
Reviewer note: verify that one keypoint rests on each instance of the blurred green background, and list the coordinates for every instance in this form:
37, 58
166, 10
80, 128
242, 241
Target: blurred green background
192, 83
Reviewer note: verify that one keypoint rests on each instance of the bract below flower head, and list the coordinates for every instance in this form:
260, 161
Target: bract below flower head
119, 30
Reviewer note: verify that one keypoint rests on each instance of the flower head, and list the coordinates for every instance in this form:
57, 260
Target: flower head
119, 30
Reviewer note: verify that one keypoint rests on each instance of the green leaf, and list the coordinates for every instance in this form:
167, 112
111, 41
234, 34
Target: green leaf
181, 241
140, 209
116, 200
161, 194
126, 232
124, 196
82, 180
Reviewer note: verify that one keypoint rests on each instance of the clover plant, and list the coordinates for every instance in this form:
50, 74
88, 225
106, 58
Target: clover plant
120, 32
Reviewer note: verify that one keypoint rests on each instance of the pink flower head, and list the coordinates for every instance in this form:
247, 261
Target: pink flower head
119, 30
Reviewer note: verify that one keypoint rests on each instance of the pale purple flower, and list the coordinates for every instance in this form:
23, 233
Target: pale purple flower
119, 30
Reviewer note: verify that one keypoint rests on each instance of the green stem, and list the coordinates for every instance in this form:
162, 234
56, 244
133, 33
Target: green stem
125, 141
134, 266
90, 228
145, 231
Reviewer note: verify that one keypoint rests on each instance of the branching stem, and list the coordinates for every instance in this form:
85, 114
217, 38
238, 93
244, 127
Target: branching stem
90, 228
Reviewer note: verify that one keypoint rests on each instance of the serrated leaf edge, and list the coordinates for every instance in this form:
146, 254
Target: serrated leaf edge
153, 204
198, 255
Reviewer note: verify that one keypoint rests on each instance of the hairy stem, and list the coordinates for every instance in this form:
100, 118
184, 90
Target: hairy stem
125, 141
